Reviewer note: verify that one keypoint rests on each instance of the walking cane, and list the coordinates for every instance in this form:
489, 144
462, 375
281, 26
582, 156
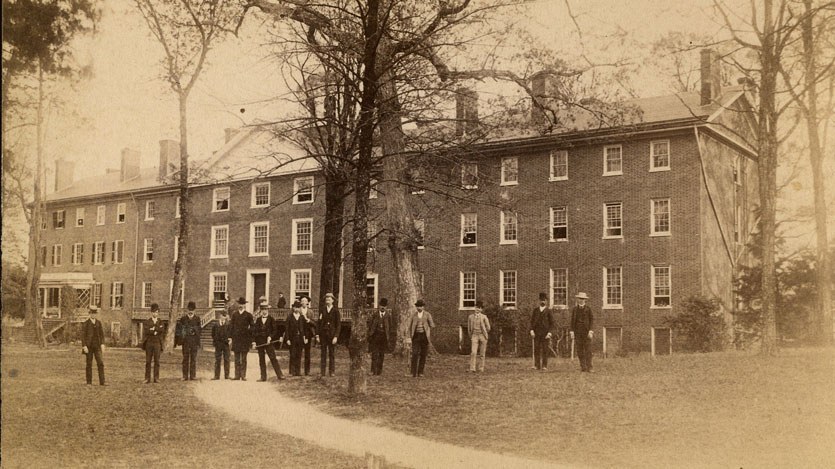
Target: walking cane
533, 353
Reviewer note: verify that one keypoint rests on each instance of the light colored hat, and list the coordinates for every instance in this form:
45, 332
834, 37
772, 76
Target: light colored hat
263, 301
582, 296
329, 295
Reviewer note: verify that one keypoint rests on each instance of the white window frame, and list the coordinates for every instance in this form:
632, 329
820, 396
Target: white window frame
552, 287
177, 207
101, 215
121, 211
515, 302
373, 280
59, 215
98, 254
606, 304
652, 231
150, 214
461, 234
77, 257
252, 227
145, 251
215, 199
652, 167
551, 226
606, 220
295, 236
504, 178
293, 274
606, 171
57, 254
297, 192
253, 198
213, 254
176, 248
503, 233
79, 217
212, 278
653, 282
113, 295
95, 294
146, 294
462, 290
563, 154
469, 169
117, 252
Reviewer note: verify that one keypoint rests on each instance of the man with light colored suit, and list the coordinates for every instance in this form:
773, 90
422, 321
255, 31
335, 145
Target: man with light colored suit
420, 328
479, 327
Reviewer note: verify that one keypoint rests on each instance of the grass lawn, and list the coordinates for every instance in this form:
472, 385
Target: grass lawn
51, 418
716, 410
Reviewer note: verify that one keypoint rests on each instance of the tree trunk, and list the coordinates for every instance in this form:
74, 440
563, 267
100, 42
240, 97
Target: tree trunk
335, 189
357, 378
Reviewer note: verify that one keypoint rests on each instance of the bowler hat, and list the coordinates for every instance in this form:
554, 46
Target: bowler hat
420, 303
543, 296
582, 296
297, 304
191, 306
154, 307
241, 301
384, 302
479, 304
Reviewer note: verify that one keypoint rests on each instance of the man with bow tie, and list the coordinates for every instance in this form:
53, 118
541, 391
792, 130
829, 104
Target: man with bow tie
263, 331
330, 324
295, 335
190, 330
378, 337
92, 344
479, 326
153, 332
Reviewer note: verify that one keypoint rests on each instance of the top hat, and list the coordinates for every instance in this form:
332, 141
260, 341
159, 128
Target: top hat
582, 296
543, 297
241, 301
420, 303
191, 306
384, 302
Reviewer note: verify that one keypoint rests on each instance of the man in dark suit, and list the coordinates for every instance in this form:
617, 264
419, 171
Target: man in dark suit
190, 332
330, 324
241, 338
542, 323
581, 331
295, 335
92, 344
221, 338
263, 331
310, 331
282, 302
153, 332
379, 329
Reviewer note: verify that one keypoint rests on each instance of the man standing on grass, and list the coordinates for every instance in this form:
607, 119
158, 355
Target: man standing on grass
190, 330
378, 337
241, 338
542, 323
329, 327
420, 327
154, 332
92, 344
581, 331
295, 335
310, 331
221, 339
479, 326
263, 331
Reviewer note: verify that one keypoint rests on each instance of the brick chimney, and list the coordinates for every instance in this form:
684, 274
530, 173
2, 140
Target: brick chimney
130, 165
63, 174
542, 92
169, 158
711, 78
466, 111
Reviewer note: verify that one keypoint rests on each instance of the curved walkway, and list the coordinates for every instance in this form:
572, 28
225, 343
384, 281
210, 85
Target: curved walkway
263, 404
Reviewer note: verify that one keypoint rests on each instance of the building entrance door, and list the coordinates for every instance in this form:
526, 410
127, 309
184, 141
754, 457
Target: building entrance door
259, 288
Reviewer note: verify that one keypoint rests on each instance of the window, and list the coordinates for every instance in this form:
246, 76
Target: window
260, 195
372, 191
148, 255
150, 209
57, 250
98, 253
117, 252
612, 160
468, 290
117, 291
146, 294
177, 207
58, 219
510, 233
79, 217
507, 288
469, 226
559, 288
612, 220
303, 190
77, 253
659, 155
43, 223
120, 212
43, 256
661, 286
100, 213
218, 283
420, 226
371, 234
299, 283
220, 199
612, 287
559, 166
302, 236
660, 217
259, 238
469, 175
559, 224
371, 290
220, 242
96, 294
510, 171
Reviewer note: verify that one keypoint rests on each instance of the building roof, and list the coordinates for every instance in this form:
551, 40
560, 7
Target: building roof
255, 151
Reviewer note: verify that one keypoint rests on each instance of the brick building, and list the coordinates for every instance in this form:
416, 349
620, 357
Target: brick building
639, 216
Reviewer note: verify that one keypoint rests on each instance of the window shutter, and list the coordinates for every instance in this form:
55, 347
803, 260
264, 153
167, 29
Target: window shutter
103, 252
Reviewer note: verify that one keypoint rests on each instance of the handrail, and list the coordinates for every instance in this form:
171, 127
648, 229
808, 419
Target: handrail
207, 317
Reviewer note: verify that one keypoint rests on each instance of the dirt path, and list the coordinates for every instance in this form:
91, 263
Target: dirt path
264, 405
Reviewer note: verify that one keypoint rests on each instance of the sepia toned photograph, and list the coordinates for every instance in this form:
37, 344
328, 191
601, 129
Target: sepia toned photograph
418, 234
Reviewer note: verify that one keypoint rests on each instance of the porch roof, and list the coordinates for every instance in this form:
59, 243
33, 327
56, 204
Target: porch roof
74, 279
